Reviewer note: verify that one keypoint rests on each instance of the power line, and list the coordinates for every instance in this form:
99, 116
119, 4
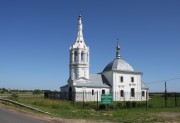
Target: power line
162, 81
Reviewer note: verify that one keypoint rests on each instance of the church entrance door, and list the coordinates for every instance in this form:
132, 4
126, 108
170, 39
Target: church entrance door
70, 93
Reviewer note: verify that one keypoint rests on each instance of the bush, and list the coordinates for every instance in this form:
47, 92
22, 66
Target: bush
150, 106
37, 91
133, 104
90, 105
119, 105
14, 96
102, 106
128, 104
143, 105
111, 106
87, 104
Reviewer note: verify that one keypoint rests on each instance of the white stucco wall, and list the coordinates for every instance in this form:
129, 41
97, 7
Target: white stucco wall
84, 93
126, 86
117, 86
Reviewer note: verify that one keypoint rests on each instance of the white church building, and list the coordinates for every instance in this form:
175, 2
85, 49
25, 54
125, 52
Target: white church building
118, 78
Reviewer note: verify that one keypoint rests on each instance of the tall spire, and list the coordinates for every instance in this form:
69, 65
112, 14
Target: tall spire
79, 38
118, 50
79, 56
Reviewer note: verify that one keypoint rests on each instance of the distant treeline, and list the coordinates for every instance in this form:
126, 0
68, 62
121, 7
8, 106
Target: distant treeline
17, 90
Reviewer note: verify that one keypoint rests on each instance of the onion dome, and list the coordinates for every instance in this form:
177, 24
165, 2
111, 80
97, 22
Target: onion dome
118, 63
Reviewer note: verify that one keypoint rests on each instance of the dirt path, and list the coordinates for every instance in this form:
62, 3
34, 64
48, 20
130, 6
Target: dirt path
171, 117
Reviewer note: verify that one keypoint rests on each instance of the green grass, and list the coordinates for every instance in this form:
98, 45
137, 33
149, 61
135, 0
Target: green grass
69, 110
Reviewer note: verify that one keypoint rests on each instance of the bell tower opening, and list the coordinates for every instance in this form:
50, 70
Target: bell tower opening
76, 56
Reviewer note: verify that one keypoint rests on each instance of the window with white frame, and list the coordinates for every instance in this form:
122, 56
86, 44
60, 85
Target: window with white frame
132, 79
122, 93
92, 92
121, 79
143, 93
103, 91
132, 92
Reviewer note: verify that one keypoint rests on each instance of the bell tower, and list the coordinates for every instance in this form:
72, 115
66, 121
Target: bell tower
79, 56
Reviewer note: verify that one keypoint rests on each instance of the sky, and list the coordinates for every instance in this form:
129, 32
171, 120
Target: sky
35, 37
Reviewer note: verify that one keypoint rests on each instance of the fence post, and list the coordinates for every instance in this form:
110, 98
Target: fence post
175, 97
146, 99
124, 100
83, 99
97, 100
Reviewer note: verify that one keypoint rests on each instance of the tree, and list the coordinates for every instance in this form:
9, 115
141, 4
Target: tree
37, 91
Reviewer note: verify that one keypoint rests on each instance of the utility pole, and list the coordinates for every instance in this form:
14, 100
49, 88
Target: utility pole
165, 95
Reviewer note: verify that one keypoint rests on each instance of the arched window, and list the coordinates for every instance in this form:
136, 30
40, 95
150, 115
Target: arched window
122, 93
121, 79
103, 91
92, 92
132, 92
143, 93
132, 79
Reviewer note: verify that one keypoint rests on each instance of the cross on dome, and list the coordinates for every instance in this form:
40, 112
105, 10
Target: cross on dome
118, 50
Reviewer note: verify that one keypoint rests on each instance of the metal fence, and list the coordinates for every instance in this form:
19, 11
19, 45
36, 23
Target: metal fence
139, 100
162, 99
